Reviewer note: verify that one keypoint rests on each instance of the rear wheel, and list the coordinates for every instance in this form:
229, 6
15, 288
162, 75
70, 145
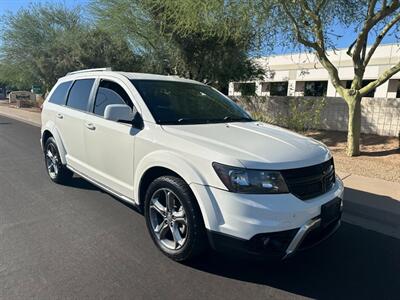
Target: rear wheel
174, 219
58, 172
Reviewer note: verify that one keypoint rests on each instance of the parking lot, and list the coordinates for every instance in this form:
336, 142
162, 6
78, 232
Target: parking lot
76, 241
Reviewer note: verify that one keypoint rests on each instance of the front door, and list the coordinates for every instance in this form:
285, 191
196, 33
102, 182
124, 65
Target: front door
109, 144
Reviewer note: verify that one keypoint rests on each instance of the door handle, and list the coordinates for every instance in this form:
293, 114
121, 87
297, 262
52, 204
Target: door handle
60, 116
90, 126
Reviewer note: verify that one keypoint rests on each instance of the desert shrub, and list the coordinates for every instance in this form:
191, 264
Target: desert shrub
301, 114
304, 114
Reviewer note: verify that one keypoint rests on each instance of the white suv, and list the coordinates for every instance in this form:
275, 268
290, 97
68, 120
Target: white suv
202, 171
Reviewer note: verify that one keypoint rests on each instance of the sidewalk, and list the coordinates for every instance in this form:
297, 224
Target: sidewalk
369, 202
21, 114
372, 203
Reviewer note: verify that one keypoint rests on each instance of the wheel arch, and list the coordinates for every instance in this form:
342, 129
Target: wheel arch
51, 131
171, 165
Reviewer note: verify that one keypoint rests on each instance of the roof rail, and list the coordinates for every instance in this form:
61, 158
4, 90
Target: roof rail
89, 70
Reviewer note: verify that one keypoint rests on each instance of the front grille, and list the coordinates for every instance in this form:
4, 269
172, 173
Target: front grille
309, 182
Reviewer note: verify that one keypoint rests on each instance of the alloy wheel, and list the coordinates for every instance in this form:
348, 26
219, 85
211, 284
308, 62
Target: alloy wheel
52, 161
168, 219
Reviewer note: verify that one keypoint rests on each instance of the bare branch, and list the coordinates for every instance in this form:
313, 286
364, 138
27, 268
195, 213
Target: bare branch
379, 38
319, 45
317, 28
321, 6
370, 21
296, 26
381, 79
371, 7
350, 48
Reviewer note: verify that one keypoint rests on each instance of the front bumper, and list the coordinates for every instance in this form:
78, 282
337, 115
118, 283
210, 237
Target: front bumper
245, 222
278, 244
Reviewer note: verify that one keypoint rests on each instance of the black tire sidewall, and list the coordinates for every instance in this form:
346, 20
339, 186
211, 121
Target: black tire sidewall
194, 224
61, 167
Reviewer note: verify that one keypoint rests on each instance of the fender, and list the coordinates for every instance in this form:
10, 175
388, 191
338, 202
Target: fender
177, 164
51, 127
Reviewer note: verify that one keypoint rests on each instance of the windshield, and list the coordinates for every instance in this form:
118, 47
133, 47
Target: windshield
172, 102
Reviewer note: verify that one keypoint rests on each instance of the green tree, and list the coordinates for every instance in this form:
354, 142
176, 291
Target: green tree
310, 24
197, 50
34, 47
42, 43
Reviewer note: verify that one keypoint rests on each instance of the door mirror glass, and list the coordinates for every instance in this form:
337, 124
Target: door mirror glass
120, 113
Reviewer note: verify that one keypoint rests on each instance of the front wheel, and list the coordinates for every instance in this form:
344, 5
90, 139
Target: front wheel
174, 219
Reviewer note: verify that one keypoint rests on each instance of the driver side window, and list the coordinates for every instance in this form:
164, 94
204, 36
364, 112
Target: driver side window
108, 93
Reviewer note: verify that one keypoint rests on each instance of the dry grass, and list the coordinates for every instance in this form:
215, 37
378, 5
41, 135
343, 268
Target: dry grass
380, 155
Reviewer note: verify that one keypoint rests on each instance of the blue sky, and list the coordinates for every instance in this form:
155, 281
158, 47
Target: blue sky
347, 34
13, 5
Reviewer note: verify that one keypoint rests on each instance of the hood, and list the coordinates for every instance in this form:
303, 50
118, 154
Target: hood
255, 145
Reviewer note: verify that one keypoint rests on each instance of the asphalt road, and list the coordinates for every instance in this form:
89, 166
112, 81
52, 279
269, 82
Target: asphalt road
78, 242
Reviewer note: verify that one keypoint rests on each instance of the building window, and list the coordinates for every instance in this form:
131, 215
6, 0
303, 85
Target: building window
264, 87
315, 88
398, 89
371, 94
278, 88
236, 87
248, 88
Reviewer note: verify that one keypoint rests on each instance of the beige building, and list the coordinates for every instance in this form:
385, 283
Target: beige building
301, 74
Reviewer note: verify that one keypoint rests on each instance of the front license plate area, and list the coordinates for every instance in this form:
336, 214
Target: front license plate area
330, 211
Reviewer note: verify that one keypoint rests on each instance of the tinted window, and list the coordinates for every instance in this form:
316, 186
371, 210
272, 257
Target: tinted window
372, 92
364, 83
278, 88
398, 90
60, 94
315, 88
79, 95
247, 89
172, 102
109, 93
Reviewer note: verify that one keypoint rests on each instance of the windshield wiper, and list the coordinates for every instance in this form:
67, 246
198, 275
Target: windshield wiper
237, 119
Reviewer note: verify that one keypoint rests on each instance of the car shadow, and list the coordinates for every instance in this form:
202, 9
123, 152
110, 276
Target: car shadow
355, 263
79, 183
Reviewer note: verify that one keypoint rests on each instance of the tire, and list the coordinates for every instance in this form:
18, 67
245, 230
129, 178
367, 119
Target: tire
57, 172
176, 228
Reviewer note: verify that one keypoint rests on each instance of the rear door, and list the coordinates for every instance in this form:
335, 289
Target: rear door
70, 122
109, 144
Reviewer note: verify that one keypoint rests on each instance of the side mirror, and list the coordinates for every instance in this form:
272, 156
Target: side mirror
120, 113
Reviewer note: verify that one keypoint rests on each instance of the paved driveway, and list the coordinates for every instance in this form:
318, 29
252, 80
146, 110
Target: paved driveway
79, 242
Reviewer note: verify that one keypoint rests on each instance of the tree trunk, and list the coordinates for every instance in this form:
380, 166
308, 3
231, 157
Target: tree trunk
354, 128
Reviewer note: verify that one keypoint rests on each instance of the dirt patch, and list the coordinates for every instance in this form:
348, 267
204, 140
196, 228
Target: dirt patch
380, 155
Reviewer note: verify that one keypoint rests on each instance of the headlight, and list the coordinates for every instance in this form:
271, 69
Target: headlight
246, 181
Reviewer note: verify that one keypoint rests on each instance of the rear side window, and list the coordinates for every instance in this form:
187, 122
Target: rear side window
108, 93
79, 95
60, 94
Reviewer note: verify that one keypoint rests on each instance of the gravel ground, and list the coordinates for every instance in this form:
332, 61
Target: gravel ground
380, 155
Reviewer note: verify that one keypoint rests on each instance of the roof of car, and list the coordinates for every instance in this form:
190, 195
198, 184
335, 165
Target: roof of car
129, 75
